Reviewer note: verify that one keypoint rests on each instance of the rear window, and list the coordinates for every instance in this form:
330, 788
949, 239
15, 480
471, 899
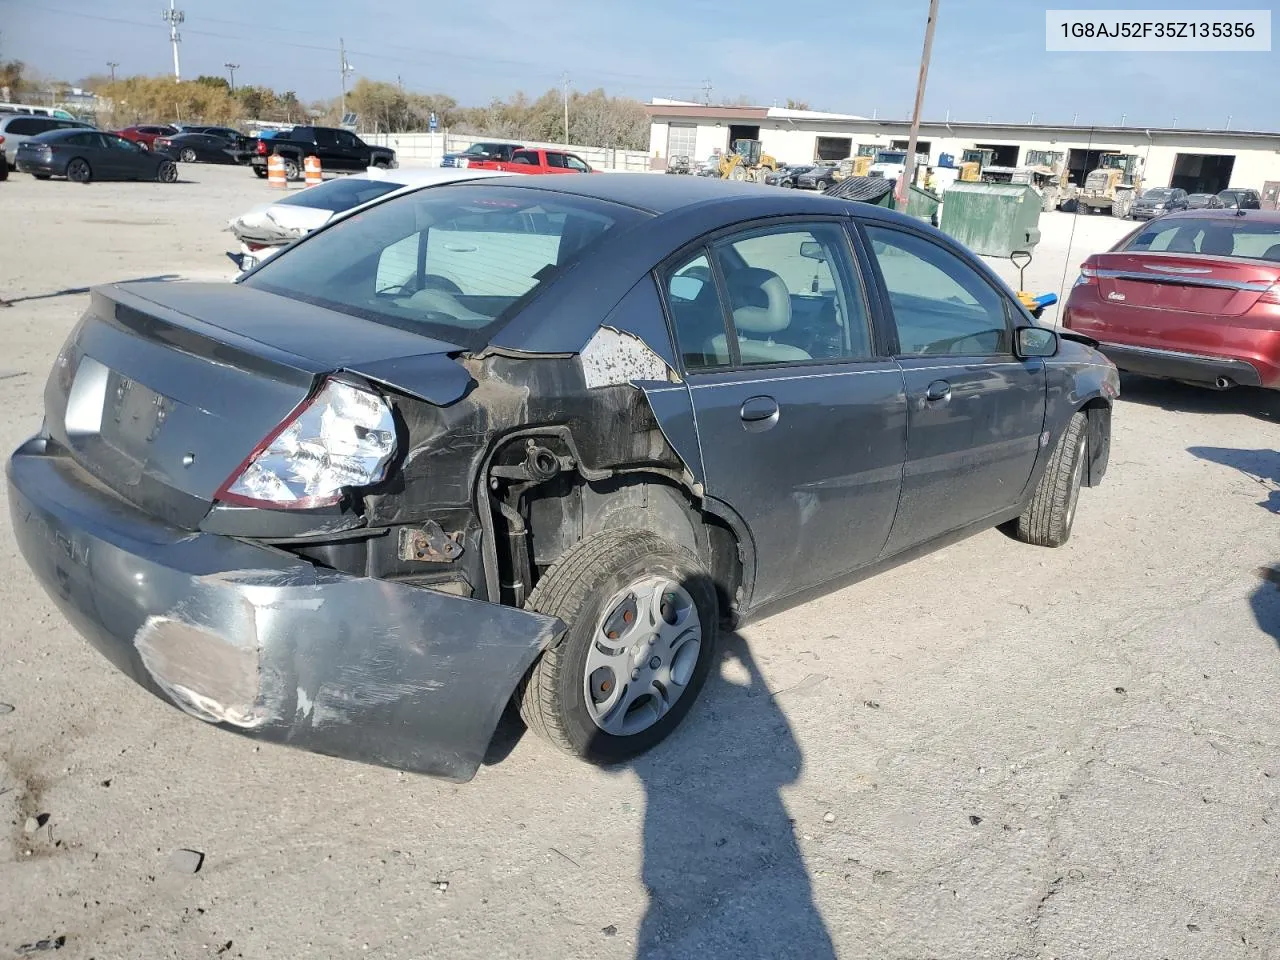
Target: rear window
339, 195
452, 262
30, 126
1157, 194
1218, 237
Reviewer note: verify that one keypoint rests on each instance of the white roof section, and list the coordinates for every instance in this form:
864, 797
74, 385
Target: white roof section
782, 113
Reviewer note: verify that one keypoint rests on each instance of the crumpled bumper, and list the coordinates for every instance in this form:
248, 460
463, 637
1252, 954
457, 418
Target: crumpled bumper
257, 641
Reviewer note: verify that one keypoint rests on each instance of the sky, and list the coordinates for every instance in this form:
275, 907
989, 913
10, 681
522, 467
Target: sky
989, 60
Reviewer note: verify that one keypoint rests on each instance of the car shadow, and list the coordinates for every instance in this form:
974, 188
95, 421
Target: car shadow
1266, 601
74, 291
1184, 398
723, 872
1260, 465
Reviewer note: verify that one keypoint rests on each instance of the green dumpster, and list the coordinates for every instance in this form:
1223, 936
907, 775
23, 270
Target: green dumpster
992, 219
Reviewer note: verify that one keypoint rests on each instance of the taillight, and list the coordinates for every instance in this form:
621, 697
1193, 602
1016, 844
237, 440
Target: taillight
261, 149
1, 139
342, 437
1271, 294
1088, 276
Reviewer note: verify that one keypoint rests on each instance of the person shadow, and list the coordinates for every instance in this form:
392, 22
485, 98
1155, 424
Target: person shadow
723, 871
1265, 601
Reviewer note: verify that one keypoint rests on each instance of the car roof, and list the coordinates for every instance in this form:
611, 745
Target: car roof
1267, 216
63, 132
659, 194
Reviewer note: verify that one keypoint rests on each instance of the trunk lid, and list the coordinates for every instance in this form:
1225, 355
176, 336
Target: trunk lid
1183, 283
164, 389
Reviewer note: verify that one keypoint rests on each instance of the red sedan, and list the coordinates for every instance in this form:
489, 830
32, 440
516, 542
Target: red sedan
1192, 296
145, 135
531, 160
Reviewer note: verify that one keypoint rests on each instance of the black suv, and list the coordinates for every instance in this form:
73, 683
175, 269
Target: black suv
1239, 199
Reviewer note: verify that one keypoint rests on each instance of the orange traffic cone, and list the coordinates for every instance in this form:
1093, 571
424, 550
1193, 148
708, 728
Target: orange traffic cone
312, 166
275, 172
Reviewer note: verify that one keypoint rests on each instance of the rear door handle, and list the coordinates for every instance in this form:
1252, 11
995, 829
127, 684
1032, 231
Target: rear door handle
759, 413
938, 390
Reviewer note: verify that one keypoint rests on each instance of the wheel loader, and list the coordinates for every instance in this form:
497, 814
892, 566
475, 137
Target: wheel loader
747, 162
1112, 187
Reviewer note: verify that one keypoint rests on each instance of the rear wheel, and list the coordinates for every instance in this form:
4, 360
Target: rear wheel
821, 186
1049, 516
642, 617
187, 156
167, 172
291, 171
78, 171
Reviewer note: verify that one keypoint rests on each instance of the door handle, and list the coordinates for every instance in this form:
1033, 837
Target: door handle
759, 413
938, 390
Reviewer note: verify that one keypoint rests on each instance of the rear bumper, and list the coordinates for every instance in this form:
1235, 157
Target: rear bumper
26, 165
259, 642
1174, 365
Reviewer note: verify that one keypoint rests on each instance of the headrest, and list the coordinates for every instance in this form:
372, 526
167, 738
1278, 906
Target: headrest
761, 300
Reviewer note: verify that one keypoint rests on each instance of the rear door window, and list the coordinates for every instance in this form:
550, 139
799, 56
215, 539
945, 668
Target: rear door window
555, 159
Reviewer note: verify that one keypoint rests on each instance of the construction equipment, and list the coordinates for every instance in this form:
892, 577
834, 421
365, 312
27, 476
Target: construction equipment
747, 162
855, 167
1112, 187
973, 163
1044, 170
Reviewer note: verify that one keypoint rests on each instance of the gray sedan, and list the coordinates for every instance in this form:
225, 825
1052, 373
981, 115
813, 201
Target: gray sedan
533, 438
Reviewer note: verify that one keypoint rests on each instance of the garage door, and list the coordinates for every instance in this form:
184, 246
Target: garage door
682, 140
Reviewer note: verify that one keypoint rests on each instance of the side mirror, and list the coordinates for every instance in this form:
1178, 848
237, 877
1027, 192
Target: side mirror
1036, 342
812, 250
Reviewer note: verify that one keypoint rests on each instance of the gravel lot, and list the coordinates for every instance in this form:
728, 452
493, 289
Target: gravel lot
993, 752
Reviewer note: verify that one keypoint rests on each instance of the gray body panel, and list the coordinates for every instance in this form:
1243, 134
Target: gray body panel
265, 644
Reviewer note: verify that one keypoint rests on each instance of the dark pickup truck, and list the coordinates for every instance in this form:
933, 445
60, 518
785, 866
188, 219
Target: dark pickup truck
339, 151
484, 151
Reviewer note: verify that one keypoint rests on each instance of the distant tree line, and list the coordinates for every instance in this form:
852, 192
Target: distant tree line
595, 118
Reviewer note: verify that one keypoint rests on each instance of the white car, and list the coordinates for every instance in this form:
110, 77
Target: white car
266, 230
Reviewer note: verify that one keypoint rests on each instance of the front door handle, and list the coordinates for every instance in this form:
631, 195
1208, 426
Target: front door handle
938, 390
759, 413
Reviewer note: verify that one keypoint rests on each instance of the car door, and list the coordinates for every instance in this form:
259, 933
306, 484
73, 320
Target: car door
128, 160
327, 149
555, 162
801, 419
975, 411
353, 150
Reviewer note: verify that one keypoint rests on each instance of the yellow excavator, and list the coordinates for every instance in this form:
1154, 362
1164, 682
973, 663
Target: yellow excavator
746, 162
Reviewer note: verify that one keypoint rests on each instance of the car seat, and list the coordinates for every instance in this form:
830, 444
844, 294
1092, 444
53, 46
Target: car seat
1218, 243
761, 306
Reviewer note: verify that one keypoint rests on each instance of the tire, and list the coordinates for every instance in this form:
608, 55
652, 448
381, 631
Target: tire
78, 171
738, 173
382, 164
595, 573
4, 169
787, 185
291, 171
167, 172
821, 186
260, 172
1049, 516
187, 156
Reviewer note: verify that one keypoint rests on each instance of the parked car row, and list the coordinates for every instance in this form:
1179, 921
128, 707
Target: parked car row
1158, 201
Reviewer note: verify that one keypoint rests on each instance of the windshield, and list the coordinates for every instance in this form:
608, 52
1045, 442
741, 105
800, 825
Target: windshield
341, 194
1250, 239
891, 156
481, 149
1157, 194
453, 262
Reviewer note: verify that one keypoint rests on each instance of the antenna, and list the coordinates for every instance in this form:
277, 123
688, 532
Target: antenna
173, 18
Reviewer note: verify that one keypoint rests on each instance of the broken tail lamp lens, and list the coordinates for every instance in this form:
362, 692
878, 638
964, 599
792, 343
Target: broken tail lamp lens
342, 437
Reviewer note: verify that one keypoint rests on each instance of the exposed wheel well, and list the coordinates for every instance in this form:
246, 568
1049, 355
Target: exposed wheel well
544, 501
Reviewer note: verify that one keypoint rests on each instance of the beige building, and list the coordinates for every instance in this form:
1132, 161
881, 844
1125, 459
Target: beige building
1195, 160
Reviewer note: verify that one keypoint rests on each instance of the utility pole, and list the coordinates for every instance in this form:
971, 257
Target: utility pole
1228, 126
111, 65
565, 79
1123, 117
909, 170
346, 69
231, 69
173, 18
706, 92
